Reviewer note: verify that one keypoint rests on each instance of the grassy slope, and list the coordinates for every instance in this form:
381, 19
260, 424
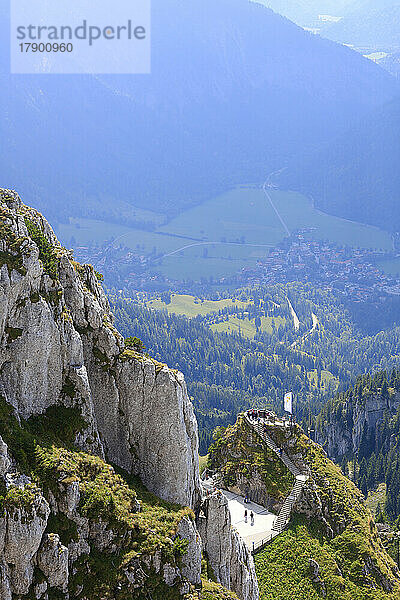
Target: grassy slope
375, 497
43, 447
213, 591
283, 569
236, 453
182, 304
246, 326
351, 563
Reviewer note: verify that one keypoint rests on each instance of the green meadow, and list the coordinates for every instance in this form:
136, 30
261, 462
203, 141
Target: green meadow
189, 306
182, 304
247, 326
238, 215
227, 233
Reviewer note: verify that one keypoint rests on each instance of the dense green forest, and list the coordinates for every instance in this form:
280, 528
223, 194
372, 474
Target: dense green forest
227, 372
377, 457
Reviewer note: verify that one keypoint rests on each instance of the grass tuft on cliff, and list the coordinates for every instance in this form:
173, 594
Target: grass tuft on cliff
43, 447
238, 453
47, 253
13, 257
214, 591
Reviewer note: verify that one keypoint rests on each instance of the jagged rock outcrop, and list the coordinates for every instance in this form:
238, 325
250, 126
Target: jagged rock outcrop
187, 530
245, 466
58, 346
52, 559
63, 364
23, 527
343, 421
228, 556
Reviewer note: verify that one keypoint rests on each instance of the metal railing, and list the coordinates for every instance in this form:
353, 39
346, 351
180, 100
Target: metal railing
261, 544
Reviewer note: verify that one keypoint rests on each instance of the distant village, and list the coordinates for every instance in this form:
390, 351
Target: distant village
353, 272
350, 271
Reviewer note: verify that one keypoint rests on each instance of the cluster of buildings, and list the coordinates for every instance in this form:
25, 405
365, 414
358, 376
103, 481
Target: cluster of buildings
118, 264
354, 272
351, 271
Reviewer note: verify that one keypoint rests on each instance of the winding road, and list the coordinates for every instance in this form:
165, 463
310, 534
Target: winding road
296, 320
315, 324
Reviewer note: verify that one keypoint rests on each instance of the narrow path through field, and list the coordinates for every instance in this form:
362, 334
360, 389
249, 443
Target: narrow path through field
220, 243
268, 195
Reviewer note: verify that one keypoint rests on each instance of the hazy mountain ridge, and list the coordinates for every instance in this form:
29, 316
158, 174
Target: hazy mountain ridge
368, 24
357, 176
235, 91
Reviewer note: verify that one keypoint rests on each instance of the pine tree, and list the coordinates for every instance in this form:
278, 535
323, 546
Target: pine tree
379, 516
363, 486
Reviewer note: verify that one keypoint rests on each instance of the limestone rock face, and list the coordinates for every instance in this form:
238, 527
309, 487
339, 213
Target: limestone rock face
53, 561
228, 556
342, 436
22, 527
5, 461
243, 574
148, 426
58, 347
191, 560
5, 589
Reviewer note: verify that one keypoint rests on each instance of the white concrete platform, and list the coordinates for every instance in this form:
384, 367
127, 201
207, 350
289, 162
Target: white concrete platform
263, 520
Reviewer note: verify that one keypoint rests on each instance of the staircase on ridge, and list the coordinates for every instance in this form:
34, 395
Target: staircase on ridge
286, 511
271, 444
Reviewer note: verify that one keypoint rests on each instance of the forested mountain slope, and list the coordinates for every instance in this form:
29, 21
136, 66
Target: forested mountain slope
357, 176
235, 91
228, 372
363, 423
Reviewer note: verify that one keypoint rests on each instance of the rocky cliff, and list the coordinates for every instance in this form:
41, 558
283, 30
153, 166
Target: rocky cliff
357, 413
74, 400
229, 558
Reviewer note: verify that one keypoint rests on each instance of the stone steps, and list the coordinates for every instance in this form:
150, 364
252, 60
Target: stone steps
271, 444
286, 511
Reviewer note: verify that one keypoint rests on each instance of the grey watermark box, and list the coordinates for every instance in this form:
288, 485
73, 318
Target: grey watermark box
84, 36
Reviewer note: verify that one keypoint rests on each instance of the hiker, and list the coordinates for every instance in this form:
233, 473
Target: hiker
280, 451
245, 516
252, 517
